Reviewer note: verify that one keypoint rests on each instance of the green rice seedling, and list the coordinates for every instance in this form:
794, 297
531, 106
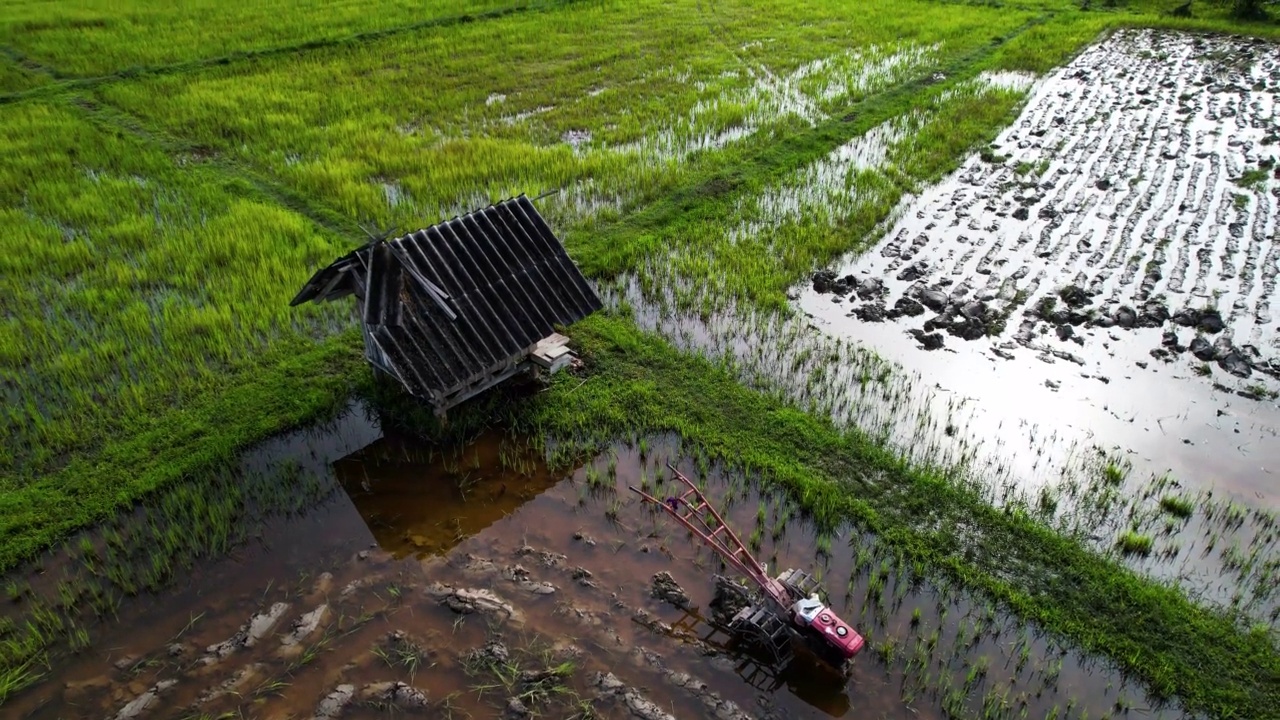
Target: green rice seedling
1053, 671
995, 704
79, 639
17, 677
1179, 507
45, 621
273, 687
887, 650
68, 595
1134, 543
1024, 654
823, 545
593, 477
1113, 473
1048, 503
16, 589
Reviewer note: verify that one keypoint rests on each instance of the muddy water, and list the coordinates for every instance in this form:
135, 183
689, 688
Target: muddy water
330, 607
389, 480
1124, 177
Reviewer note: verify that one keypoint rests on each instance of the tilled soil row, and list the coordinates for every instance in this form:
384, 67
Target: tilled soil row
389, 639
1139, 189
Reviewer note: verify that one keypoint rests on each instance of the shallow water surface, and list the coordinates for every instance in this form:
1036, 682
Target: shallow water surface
1123, 179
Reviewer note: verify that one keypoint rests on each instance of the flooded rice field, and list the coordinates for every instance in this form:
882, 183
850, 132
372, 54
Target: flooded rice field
1217, 544
1107, 267
1078, 318
730, 107
476, 582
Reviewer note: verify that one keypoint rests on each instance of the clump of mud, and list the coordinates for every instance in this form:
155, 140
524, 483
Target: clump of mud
611, 688
666, 589
730, 598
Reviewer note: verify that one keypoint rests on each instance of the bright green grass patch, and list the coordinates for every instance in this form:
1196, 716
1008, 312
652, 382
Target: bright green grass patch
99, 37
1176, 506
1134, 543
130, 285
1052, 43
14, 77
436, 122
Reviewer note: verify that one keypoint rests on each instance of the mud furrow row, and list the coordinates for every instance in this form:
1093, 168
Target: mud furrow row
1142, 179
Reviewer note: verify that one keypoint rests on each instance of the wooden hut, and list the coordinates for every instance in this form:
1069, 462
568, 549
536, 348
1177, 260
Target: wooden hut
452, 310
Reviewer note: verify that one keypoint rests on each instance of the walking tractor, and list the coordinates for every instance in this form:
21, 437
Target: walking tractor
790, 607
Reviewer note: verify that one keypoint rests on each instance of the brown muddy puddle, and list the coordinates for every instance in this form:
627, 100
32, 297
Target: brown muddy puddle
388, 597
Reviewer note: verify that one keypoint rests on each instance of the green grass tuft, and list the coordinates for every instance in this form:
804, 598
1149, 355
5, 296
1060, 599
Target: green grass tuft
1134, 543
1179, 507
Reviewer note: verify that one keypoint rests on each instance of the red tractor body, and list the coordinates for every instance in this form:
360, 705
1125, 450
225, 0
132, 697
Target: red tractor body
791, 608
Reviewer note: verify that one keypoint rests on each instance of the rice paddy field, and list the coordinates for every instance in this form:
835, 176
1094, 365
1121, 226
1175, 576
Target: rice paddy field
965, 306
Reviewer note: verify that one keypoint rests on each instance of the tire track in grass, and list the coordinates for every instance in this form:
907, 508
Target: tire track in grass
110, 118
28, 73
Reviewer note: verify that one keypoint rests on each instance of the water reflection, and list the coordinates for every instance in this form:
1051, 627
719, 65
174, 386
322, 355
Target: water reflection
420, 500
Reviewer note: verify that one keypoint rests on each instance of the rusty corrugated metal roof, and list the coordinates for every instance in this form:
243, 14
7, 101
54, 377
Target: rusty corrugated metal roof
449, 305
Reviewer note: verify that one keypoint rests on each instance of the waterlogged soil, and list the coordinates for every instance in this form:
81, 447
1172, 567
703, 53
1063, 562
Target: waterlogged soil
1104, 273
475, 582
